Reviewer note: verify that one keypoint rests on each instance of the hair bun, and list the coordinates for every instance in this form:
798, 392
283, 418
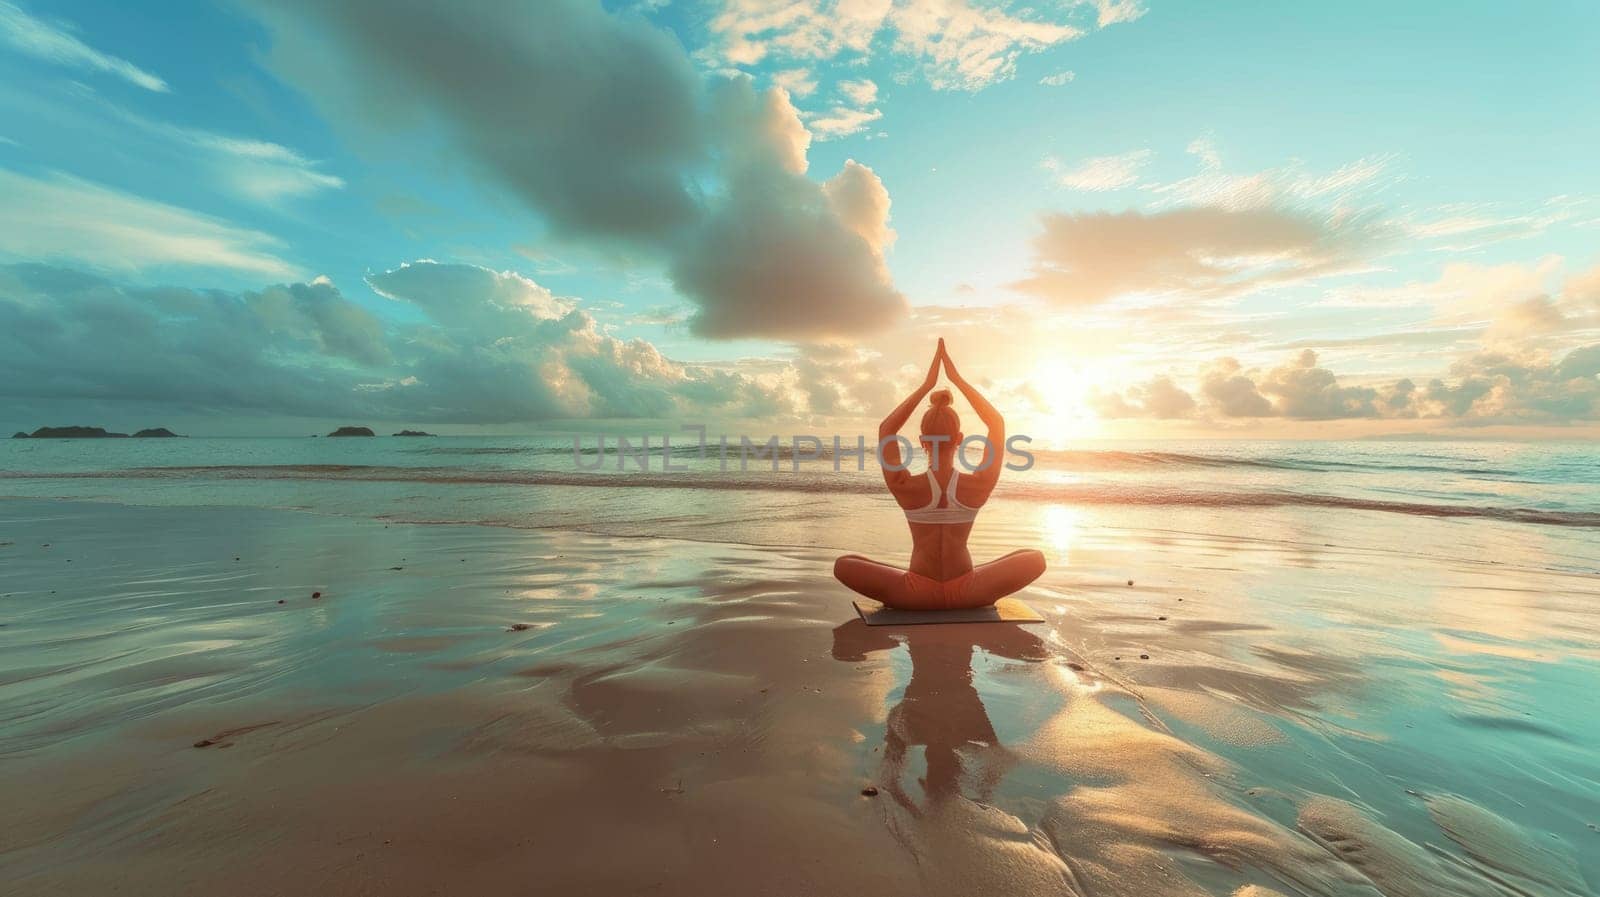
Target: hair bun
941, 398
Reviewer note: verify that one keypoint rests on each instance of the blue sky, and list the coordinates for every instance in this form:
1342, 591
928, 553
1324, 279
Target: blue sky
1129, 218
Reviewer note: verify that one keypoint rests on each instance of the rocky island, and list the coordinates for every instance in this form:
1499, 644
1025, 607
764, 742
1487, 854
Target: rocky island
353, 431
90, 433
414, 433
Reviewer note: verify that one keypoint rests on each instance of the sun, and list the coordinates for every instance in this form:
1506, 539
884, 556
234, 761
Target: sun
1063, 389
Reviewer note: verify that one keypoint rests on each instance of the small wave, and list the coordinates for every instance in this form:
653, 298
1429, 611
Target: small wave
1063, 493
1070, 460
1119, 460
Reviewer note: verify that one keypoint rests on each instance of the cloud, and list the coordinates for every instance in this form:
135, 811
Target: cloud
54, 43
1288, 185
1101, 172
65, 335
257, 170
1305, 391
798, 82
496, 79
460, 293
957, 44
60, 217
1157, 397
780, 255
1520, 303
1463, 227
262, 171
479, 347
843, 381
1486, 387
1462, 289
1529, 387
1112, 12
842, 121
850, 116
1231, 393
1086, 258
1059, 79
966, 47
706, 175
861, 93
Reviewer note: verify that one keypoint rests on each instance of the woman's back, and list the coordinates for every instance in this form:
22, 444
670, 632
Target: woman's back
940, 514
940, 507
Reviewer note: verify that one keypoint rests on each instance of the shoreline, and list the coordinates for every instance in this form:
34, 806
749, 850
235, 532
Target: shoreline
702, 717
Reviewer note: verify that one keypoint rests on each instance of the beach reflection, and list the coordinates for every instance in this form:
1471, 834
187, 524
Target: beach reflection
940, 709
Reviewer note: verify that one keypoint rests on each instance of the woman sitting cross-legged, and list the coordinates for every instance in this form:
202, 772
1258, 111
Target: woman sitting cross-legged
940, 507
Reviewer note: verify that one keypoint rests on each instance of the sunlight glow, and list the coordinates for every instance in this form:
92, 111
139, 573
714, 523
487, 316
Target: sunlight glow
1061, 528
1063, 390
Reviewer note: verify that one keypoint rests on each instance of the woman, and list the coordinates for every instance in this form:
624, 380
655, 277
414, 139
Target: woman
940, 507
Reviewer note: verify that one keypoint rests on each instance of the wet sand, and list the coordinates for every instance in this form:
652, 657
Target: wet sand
485, 710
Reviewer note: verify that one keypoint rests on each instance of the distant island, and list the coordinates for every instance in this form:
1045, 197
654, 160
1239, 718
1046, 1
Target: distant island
413, 433
93, 433
353, 431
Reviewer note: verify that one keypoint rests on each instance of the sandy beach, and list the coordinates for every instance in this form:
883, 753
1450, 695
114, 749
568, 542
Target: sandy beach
1353, 706
483, 449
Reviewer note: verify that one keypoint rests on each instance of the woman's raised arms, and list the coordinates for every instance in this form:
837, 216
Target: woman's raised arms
894, 467
994, 451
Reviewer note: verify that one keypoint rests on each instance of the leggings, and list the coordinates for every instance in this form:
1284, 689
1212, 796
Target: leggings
981, 586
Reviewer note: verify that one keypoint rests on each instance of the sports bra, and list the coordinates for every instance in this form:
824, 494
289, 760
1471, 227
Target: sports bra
932, 513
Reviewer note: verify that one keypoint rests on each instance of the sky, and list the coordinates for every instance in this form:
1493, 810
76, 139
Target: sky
1128, 218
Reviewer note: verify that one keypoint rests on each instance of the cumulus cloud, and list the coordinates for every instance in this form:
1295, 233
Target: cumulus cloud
1305, 391
1157, 397
57, 44
1529, 387
843, 381
58, 217
1230, 393
780, 255
479, 347
1100, 173
709, 175
957, 44
1486, 387
66, 334
1086, 258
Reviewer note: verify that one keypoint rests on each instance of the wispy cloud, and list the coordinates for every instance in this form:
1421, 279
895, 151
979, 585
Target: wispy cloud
1059, 78
260, 170
798, 82
60, 217
1112, 12
54, 43
851, 115
958, 44
1292, 183
1199, 252
1101, 172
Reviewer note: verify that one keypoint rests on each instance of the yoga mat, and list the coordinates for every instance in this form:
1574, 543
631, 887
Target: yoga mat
1006, 610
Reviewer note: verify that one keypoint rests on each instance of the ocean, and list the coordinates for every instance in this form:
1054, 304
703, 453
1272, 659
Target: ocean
1319, 668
